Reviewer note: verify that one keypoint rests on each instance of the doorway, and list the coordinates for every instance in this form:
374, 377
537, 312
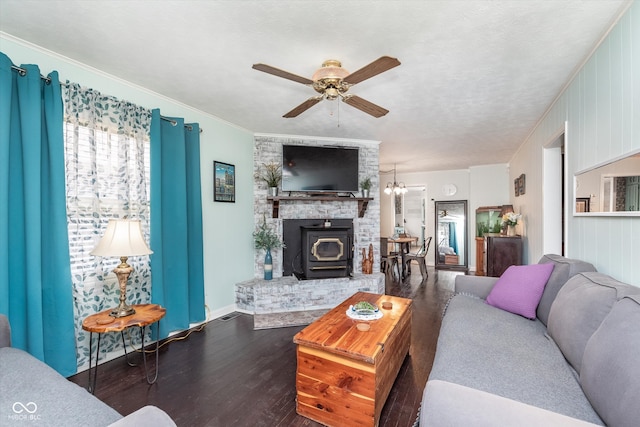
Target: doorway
553, 196
410, 213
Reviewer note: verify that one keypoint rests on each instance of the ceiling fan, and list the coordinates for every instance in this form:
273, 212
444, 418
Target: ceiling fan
332, 81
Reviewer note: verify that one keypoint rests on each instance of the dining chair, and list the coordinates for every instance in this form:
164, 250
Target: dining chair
388, 260
419, 257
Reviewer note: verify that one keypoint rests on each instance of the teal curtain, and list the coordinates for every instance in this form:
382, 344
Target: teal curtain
453, 237
177, 271
35, 277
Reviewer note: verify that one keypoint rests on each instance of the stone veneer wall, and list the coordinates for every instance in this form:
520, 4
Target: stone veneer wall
366, 230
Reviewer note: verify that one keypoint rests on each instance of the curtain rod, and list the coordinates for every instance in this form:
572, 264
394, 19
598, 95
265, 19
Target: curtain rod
173, 123
23, 72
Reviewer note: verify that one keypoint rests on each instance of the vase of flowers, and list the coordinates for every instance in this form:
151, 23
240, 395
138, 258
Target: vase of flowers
266, 238
271, 174
510, 219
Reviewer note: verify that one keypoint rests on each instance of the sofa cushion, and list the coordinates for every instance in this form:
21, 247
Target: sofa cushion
579, 309
5, 331
519, 289
53, 399
147, 416
449, 404
489, 349
611, 365
564, 269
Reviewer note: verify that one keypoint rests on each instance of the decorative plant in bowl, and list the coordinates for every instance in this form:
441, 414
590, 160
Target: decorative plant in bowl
266, 238
271, 174
365, 185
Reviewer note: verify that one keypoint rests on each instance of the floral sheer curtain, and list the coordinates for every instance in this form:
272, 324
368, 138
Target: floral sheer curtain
107, 177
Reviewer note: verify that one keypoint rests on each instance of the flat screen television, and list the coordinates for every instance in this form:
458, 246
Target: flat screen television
319, 169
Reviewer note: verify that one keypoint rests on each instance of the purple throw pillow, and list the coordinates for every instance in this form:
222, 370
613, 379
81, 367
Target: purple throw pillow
520, 288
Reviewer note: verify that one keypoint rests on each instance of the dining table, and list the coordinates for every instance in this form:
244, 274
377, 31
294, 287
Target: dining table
404, 244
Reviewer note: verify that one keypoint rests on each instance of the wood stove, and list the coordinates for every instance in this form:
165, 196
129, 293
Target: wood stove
316, 251
326, 252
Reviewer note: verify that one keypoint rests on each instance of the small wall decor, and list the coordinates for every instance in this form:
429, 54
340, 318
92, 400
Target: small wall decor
224, 182
519, 186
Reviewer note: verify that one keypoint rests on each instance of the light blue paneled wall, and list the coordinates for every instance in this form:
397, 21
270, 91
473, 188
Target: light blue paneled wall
227, 227
601, 108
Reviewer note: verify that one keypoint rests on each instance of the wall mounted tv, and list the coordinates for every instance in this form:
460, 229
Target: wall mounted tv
319, 169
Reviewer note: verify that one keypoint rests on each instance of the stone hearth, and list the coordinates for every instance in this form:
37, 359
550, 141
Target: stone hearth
286, 301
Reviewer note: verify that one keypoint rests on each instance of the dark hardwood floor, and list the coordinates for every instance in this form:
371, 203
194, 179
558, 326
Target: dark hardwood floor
228, 374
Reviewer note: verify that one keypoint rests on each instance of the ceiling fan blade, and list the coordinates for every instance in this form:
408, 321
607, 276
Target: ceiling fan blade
378, 66
281, 73
364, 105
303, 107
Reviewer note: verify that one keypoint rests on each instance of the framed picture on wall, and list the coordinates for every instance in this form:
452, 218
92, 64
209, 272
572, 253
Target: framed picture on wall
521, 185
516, 187
224, 182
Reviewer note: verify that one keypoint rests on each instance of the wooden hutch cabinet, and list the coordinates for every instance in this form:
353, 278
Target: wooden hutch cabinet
502, 252
494, 252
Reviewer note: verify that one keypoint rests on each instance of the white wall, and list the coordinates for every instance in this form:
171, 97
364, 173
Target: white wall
480, 186
601, 106
227, 227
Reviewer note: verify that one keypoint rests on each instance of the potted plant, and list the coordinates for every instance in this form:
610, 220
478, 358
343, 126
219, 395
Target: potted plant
271, 173
365, 185
265, 238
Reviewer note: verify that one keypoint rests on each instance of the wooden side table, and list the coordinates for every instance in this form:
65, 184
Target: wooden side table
100, 323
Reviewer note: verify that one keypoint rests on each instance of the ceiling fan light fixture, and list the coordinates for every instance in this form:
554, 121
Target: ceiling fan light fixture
332, 81
331, 93
331, 69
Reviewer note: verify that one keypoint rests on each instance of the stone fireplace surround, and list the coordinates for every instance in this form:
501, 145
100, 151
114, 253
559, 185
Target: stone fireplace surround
285, 301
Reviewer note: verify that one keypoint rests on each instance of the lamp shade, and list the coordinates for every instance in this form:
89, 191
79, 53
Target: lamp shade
122, 238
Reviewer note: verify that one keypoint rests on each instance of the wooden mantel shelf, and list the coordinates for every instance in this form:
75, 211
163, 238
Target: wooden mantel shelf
363, 202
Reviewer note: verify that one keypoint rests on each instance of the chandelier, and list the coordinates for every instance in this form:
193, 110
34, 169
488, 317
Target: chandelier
396, 188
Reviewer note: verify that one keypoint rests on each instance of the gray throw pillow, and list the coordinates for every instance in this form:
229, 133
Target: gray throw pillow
563, 270
579, 309
611, 365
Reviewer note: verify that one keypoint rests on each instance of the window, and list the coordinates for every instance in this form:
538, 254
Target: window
107, 158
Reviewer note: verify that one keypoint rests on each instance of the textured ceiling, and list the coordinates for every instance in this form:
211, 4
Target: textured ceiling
475, 77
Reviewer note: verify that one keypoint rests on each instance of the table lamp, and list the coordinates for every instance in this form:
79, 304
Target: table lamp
123, 239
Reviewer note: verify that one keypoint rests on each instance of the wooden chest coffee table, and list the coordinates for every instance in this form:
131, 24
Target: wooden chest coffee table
344, 375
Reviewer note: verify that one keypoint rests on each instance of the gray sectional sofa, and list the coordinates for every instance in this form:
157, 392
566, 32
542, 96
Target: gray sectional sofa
32, 393
577, 363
